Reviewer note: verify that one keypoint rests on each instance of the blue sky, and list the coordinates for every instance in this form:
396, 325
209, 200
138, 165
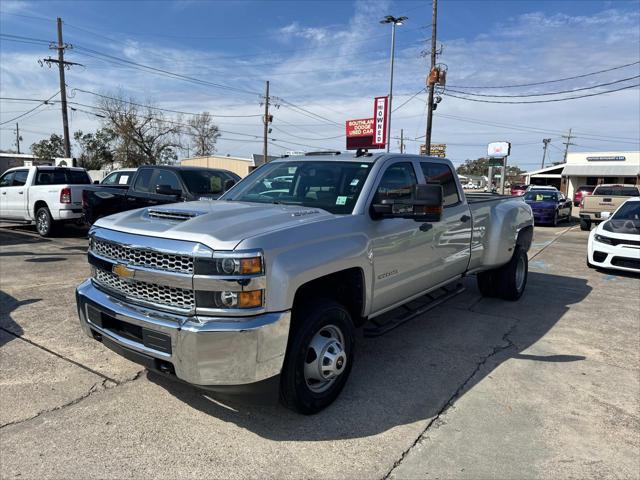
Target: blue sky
326, 60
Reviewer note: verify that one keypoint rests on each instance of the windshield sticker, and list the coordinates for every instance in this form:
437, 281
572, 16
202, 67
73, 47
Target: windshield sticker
354, 182
123, 179
539, 198
292, 170
364, 165
341, 200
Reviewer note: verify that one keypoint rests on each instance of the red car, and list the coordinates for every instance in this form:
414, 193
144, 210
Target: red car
518, 190
582, 191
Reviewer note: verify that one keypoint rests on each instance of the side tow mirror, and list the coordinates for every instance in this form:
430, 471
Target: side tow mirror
228, 184
424, 206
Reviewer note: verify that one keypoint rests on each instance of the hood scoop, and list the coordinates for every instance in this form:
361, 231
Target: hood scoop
170, 214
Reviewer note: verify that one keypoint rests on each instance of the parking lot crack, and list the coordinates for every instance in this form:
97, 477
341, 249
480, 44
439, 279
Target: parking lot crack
435, 422
96, 387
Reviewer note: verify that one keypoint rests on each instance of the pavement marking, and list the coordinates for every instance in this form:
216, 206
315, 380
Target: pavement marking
551, 242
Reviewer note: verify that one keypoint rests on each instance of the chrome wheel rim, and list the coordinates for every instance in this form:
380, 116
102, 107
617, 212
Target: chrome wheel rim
43, 223
325, 359
520, 273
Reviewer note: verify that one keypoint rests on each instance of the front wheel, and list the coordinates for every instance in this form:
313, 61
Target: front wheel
319, 357
554, 222
44, 223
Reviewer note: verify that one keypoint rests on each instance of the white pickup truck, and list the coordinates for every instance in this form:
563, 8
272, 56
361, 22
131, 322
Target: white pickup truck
46, 196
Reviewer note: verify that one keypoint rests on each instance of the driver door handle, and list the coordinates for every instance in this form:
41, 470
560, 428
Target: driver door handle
465, 218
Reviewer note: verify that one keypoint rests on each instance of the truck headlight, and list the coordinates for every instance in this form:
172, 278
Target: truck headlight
229, 266
227, 299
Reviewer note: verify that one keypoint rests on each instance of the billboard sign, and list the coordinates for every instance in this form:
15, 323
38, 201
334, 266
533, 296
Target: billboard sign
380, 121
499, 149
359, 133
437, 150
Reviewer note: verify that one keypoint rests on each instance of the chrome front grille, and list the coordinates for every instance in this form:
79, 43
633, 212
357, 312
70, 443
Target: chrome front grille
143, 257
148, 292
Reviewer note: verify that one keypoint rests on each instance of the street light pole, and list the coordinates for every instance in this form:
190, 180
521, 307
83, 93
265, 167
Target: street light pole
394, 21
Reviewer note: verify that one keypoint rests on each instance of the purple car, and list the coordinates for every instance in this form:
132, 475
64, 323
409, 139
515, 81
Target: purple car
548, 206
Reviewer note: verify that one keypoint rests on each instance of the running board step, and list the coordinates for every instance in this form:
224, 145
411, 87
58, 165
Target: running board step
384, 324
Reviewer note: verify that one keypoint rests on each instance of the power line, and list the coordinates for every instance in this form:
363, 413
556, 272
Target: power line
157, 108
542, 101
307, 138
167, 73
550, 81
44, 102
547, 93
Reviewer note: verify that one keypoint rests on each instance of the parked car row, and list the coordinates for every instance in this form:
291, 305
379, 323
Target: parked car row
50, 197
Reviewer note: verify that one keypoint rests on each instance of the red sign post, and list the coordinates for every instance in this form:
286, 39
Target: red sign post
380, 119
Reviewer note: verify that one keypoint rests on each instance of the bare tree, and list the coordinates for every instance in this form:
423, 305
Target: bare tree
144, 135
204, 134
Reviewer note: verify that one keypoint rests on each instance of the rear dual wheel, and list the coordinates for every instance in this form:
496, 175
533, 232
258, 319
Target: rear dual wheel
509, 281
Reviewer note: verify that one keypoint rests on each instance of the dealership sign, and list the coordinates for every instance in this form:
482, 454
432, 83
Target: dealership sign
499, 149
437, 150
380, 121
606, 158
360, 133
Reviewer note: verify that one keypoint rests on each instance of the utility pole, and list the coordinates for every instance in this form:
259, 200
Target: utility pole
266, 123
567, 143
431, 85
18, 137
402, 140
544, 151
61, 47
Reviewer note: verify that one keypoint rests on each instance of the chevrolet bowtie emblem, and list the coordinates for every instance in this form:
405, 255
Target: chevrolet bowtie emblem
123, 271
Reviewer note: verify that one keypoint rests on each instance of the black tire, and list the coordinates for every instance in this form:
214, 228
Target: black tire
44, 223
585, 225
308, 322
512, 277
554, 222
487, 283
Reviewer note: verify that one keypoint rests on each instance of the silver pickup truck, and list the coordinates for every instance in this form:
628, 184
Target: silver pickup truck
265, 286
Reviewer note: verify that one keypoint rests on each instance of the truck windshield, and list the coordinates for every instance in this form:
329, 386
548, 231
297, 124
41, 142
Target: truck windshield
329, 185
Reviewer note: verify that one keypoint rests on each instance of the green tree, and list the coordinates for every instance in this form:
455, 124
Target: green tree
96, 149
479, 166
48, 149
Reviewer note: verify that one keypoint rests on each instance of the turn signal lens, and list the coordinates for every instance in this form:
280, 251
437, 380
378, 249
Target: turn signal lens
251, 299
250, 265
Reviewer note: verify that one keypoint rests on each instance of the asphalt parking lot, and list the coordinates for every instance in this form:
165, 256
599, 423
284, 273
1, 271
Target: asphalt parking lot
546, 387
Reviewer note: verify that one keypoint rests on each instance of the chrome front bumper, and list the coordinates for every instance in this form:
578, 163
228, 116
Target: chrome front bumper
205, 351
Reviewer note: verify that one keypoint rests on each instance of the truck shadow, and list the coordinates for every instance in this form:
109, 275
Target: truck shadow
7, 305
413, 373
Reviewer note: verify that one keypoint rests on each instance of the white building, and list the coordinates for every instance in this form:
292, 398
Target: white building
593, 168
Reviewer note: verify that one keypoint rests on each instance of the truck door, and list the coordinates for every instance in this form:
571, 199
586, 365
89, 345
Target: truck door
401, 251
15, 195
452, 235
5, 182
